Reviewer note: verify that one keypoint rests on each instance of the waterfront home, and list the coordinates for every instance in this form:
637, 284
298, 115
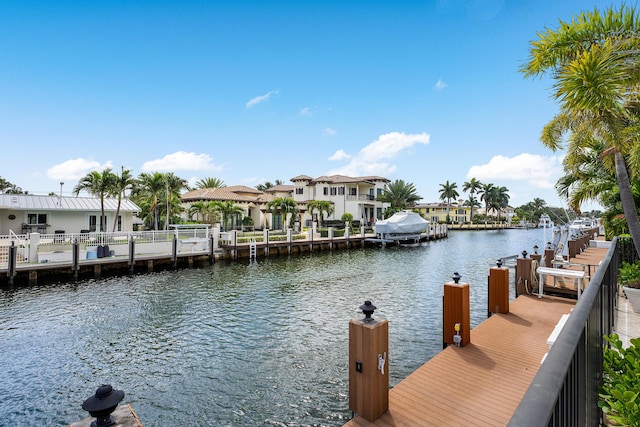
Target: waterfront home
27, 213
437, 212
354, 195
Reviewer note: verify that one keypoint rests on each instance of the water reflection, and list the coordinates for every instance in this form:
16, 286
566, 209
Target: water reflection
241, 343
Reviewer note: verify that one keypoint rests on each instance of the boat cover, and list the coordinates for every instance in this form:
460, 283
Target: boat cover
402, 223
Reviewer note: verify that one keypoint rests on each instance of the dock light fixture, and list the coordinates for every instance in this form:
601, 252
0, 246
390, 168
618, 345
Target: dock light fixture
524, 254
367, 309
549, 245
499, 263
535, 249
102, 404
456, 277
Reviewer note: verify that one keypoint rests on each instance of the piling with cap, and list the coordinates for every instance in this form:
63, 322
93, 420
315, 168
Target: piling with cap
456, 313
523, 275
498, 300
102, 404
368, 365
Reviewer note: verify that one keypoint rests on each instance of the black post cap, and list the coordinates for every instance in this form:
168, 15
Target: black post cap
368, 309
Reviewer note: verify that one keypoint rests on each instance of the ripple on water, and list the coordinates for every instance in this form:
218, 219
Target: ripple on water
263, 343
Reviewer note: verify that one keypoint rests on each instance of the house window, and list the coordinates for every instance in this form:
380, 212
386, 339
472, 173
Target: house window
326, 191
379, 213
353, 191
299, 190
93, 222
341, 191
378, 192
119, 222
333, 191
37, 218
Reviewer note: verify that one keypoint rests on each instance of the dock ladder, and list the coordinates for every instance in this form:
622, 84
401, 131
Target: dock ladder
252, 248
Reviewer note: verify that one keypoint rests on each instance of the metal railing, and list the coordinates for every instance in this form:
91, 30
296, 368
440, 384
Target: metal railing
564, 392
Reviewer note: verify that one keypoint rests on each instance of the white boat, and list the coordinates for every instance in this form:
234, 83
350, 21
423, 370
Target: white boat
401, 226
580, 226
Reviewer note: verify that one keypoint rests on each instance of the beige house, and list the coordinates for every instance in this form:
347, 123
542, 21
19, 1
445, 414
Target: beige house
437, 212
27, 213
354, 195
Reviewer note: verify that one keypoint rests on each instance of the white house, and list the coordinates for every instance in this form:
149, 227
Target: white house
354, 195
26, 213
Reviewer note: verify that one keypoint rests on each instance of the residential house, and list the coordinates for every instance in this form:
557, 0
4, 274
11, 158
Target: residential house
356, 196
437, 212
26, 213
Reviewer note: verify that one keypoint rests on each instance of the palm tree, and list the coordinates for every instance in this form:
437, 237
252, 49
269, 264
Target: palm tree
148, 192
472, 202
121, 183
283, 206
98, 185
399, 195
227, 209
321, 206
199, 207
472, 186
447, 192
267, 185
500, 199
486, 195
594, 61
210, 183
174, 186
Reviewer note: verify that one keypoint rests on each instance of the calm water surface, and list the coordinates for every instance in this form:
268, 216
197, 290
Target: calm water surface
234, 344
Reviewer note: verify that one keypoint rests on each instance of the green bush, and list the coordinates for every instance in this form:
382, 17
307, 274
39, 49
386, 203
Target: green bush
621, 382
629, 274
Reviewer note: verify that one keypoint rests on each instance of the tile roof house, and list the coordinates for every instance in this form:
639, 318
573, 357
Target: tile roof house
24, 213
355, 195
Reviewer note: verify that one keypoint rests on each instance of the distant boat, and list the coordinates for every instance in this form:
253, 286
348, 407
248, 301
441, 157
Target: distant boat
580, 225
545, 221
402, 226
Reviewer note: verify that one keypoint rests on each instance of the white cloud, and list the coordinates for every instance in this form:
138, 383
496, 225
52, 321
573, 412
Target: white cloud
75, 169
181, 160
261, 98
440, 85
339, 155
371, 159
537, 171
306, 111
330, 132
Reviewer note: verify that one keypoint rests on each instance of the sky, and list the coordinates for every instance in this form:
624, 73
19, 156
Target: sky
256, 91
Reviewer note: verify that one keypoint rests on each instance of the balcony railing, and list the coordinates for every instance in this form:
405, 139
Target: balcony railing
564, 392
361, 198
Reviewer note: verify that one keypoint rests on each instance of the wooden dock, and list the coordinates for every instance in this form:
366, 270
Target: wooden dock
482, 383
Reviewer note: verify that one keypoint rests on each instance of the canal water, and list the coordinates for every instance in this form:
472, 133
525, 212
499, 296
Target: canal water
238, 343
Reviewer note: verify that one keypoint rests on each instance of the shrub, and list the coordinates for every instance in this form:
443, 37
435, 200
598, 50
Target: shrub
621, 382
629, 274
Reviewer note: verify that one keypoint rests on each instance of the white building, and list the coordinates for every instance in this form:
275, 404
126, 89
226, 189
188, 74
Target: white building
27, 213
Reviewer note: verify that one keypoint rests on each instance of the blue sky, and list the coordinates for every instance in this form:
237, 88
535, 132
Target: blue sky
248, 92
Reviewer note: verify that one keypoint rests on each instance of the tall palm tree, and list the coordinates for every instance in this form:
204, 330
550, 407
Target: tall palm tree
486, 195
594, 61
210, 183
472, 187
174, 185
98, 185
321, 206
500, 198
400, 195
472, 202
121, 183
447, 192
283, 206
148, 192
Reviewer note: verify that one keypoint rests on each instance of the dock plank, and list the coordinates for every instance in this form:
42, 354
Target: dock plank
482, 383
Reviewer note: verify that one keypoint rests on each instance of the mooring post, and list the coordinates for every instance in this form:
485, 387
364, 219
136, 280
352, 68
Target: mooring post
174, 250
368, 365
76, 258
456, 313
13, 252
498, 300
523, 275
132, 252
212, 258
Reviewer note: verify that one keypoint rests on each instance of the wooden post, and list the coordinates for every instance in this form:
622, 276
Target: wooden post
498, 290
174, 251
76, 258
549, 256
13, 259
523, 276
132, 254
368, 386
368, 367
456, 313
